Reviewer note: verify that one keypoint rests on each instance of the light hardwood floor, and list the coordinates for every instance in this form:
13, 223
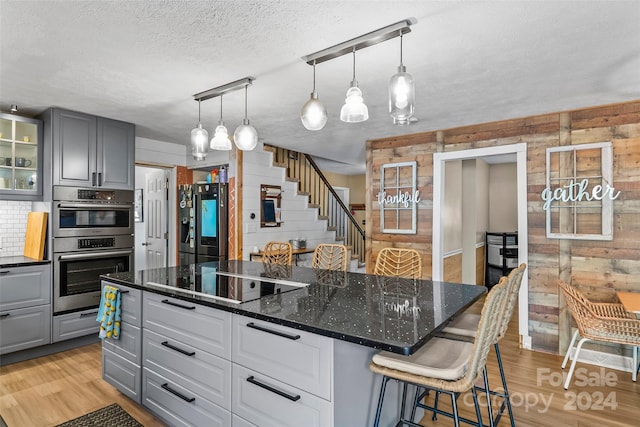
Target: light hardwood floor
53, 389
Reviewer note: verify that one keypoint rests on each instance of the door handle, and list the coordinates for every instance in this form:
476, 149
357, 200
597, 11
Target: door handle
146, 244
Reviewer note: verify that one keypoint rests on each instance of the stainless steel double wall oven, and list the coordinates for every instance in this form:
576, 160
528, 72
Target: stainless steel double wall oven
92, 235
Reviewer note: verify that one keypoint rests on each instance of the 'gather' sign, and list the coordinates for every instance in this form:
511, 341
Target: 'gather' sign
577, 192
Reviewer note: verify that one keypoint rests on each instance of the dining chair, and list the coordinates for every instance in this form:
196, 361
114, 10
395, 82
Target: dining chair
277, 253
604, 322
399, 263
444, 365
330, 256
466, 325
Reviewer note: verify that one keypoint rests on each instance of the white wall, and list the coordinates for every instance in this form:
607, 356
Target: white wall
452, 207
503, 203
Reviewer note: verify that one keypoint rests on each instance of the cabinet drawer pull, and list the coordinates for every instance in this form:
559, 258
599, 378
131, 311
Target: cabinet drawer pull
2, 316
124, 292
175, 304
93, 313
292, 398
177, 393
271, 331
99, 179
93, 179
178, 349
5, 271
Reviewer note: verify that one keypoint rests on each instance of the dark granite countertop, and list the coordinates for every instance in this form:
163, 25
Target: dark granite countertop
386, 313
20, 261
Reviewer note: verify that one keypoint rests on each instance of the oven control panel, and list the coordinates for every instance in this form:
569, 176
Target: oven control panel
104, 242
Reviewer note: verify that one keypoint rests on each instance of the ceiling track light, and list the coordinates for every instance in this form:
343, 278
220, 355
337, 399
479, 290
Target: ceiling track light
357, 111
199, 140
314, 113
402, 94
220, 140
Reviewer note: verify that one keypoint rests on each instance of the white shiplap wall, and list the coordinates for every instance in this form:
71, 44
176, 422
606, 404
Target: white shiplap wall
298, 221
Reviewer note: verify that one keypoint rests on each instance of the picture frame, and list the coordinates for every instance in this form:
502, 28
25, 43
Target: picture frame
138, 205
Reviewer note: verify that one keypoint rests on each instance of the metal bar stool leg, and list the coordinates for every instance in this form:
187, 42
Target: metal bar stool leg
488, 393
504, 386
634, 370
434, 417
477, 406
454, 407
383, 387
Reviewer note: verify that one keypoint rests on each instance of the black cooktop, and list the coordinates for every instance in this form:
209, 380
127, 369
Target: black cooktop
207, 281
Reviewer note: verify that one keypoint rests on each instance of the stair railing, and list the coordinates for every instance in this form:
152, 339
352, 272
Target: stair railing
313, 183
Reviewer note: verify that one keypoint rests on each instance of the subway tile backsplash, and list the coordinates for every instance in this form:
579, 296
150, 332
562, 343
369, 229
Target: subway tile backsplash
13, 226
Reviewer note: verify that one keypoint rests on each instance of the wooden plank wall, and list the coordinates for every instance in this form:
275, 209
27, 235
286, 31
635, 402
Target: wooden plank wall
598, 268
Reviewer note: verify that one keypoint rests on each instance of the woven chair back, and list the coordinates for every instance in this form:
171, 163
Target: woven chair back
330, 257
399, 263
277, 253
601, 321
513, 289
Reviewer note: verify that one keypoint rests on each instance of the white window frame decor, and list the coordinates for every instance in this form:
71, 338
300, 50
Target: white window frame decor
404, 198
580, 193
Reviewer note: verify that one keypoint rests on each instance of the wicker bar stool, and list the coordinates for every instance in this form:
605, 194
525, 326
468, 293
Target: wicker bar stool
466, 325
399, 263
330, 257
606, 322
277, 253
443, 365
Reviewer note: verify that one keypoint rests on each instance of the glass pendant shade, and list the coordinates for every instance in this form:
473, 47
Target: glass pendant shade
354, 110
402, 96
245, 136
313, 114
199, 142
220, 140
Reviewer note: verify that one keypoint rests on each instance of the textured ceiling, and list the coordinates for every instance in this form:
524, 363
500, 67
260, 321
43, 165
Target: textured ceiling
473, 62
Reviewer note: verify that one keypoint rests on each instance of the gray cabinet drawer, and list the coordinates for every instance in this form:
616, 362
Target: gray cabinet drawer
196, 325
25, 328
205, 374
130, 304
25, 287
129, 345
266, 408
73, 325
299, 358
122, 374
236, 421
179, 406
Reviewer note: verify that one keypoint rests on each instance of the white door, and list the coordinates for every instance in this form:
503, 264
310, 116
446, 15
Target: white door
156, 232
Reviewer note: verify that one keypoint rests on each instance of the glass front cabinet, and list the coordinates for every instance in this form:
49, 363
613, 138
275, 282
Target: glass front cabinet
20, 158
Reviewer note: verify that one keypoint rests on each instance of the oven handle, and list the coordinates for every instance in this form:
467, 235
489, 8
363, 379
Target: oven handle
93, 206
96, 255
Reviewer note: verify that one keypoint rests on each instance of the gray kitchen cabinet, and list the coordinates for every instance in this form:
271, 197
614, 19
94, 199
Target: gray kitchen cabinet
186, 378
25, 307
74, 325
90, 151
122, 359
21, 158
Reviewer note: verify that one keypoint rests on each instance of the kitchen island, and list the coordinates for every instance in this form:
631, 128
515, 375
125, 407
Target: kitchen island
243, 343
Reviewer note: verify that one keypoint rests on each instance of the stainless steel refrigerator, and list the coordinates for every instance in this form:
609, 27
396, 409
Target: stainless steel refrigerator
203, 222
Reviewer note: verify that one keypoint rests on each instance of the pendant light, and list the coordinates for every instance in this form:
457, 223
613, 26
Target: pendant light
199, 140
354, 110
220, 140
313, 114
401, 94
245, 136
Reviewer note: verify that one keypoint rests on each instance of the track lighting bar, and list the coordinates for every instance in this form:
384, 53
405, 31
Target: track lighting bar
221, 90
365, 40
